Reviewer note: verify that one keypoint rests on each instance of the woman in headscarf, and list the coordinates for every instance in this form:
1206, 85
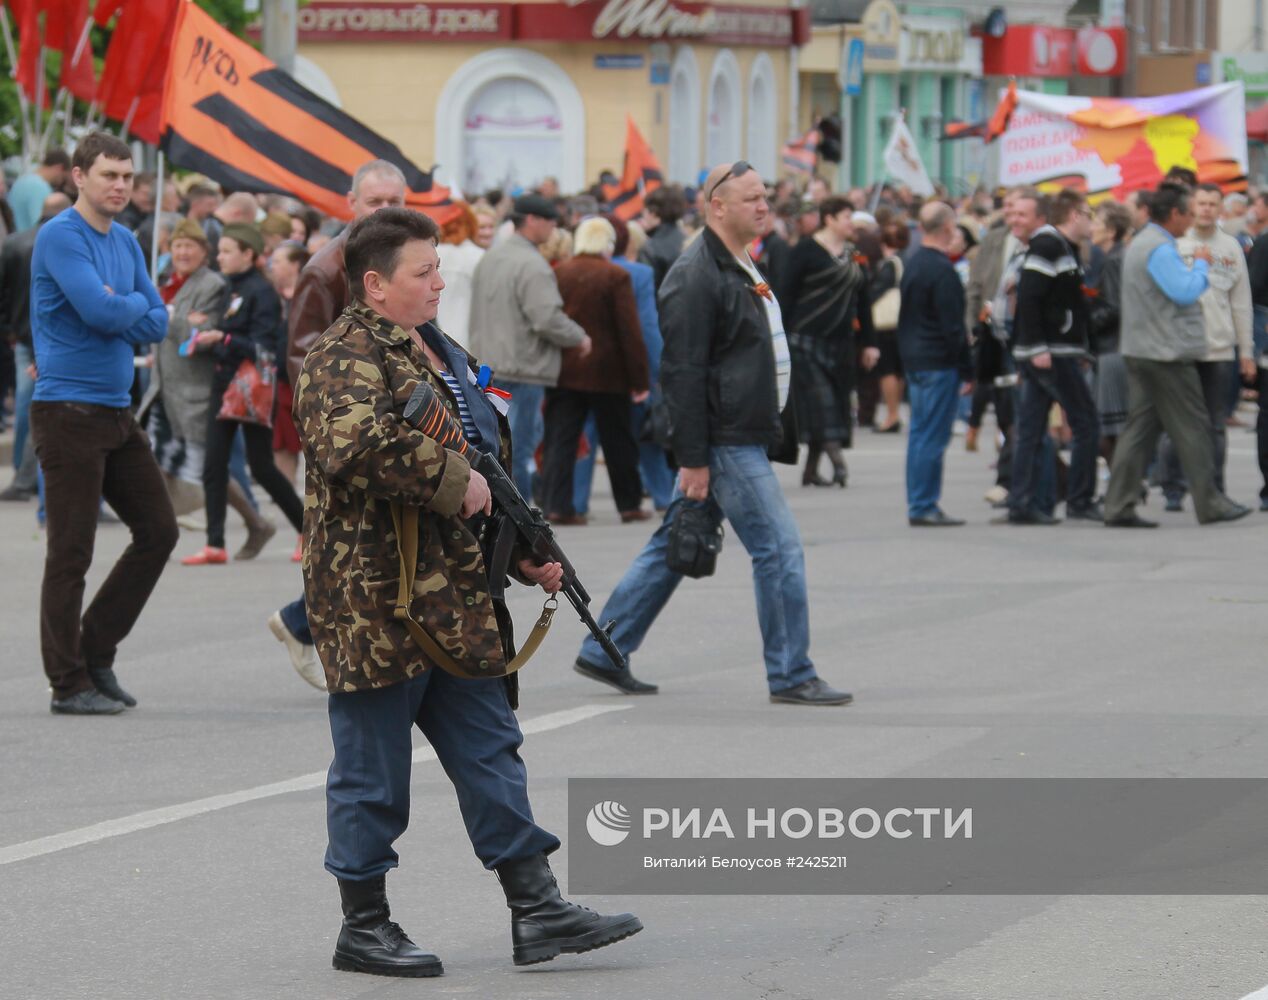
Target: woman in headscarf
459, 255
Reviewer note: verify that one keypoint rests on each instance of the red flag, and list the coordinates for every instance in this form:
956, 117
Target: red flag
640, 177
136, 62
65, 25
27, 15
999, 121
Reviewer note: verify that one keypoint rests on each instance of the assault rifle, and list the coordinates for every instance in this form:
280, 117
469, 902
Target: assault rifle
514, 517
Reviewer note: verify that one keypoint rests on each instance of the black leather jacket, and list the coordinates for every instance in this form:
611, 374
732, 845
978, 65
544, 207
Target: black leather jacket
663, 247
718, 367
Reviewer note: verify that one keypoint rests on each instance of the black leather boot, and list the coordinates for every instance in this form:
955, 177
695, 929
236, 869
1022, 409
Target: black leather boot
370, 941
543, 923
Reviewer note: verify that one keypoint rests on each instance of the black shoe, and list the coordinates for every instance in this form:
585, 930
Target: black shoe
544, 924
813, 692
895, 428
85, 703
1234, 512
104, 680
1174, 505
1132, 520
1031, 516
1084, 512
1263, 505
937, 519
16, 494
622, 680
370, 941
841, 475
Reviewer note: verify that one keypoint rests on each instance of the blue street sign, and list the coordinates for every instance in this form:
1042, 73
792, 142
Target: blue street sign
853, 78
618, 62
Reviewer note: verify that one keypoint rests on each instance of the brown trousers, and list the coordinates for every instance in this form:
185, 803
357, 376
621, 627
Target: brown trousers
88, 452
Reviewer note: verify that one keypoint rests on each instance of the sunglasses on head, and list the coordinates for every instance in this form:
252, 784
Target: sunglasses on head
738, 169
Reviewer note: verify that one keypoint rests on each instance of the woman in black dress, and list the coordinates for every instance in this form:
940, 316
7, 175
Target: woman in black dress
826, 291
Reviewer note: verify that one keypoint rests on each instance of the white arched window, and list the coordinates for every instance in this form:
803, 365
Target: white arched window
761, 147
508, 118
724, 114
684, 117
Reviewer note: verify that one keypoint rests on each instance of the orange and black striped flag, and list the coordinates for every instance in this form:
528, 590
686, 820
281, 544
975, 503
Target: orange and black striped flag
231, 114
641, 176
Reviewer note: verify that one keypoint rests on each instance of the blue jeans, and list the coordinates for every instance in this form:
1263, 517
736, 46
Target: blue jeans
743, 485
525, 417
470, 725
295, 618
23, 358
653, 466
934, 399
238, 467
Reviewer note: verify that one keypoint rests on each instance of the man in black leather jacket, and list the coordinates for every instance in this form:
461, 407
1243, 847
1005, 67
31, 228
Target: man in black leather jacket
725, 375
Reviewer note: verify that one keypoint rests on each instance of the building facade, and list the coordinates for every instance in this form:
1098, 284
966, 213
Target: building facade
505, 94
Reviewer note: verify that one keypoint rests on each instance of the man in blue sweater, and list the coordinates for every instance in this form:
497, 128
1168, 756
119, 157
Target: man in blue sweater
92, 303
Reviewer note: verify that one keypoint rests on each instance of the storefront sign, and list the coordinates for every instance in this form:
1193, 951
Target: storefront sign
1029, 50
589, 20
577, 20
1101, 51
935, 44
618, 61
1249, 67
398, 22
882, 29
1038, 50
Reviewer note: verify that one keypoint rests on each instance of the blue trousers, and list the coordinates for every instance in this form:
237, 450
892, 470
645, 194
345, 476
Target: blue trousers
934, 400
527, 425
470, 725
743, 485
295, 618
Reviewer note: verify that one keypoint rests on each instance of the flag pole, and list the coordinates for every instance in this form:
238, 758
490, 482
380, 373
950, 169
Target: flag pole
37, 112
7, 30
158, 218
127, 119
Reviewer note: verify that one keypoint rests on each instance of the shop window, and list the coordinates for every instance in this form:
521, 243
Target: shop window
507, 118
684, 117
762, 141
723, 124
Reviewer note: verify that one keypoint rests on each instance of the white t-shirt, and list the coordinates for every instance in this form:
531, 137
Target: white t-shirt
779, 339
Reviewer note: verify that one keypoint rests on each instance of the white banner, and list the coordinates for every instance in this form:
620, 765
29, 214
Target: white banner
902, 161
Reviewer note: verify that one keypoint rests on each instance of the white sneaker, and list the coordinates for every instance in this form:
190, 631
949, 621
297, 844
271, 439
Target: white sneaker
303, 657
995, 495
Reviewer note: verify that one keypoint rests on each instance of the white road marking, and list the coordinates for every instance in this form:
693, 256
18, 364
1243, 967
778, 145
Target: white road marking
1257, 995
213, 803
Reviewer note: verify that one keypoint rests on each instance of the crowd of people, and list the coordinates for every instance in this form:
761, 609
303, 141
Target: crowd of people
714, 335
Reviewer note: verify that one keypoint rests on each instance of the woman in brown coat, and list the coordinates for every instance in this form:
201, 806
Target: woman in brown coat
607, 381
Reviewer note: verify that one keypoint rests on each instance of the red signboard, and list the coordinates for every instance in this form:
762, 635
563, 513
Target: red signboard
653, 20
578, 21
404, 22
1029, 50
1038, 50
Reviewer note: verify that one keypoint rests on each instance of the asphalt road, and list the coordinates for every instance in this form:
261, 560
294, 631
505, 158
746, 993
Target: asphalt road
980, 651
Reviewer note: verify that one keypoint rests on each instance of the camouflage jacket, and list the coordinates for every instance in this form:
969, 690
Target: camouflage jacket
361, 456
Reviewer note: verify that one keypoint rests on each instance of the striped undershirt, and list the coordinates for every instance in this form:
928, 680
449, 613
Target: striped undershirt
468, 425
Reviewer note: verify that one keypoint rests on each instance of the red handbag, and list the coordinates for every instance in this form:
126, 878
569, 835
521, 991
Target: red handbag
249, 398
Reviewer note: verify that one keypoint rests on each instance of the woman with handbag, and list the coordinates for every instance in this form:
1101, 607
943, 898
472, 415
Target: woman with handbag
827, 298
245, 348
887, 299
